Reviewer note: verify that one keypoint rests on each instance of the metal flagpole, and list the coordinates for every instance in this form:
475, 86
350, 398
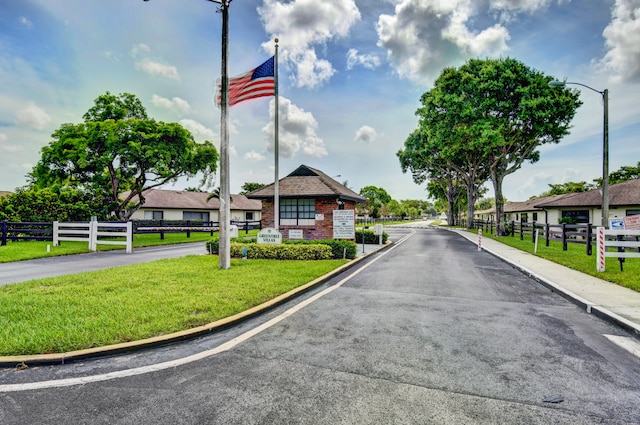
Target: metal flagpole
276, 192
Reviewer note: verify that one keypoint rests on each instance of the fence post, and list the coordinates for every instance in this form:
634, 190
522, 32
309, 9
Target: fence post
188, 228
56, 242
534, 239
4, 233
162, 230
129, 237
601, 263
93, 236
546, 233
521, 233
564, 236
246, 227
589, 230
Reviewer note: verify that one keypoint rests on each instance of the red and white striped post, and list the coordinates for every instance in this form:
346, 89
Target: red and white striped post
479, 239
600, 265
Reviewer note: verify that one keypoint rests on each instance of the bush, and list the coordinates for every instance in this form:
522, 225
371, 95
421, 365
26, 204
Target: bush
369, 237
283, 252
338, 248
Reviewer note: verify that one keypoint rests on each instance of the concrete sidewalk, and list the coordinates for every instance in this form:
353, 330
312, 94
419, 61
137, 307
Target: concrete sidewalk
604, 299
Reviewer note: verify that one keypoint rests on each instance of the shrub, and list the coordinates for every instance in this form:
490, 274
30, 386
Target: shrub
369, 237
283, 252
339, 248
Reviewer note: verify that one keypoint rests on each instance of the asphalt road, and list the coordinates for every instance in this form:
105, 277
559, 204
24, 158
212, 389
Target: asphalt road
429, 331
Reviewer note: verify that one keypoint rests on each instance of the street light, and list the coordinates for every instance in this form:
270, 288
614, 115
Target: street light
605, 146
224, 248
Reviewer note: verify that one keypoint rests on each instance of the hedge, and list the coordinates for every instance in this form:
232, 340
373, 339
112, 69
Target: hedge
283, 251
369, 237
338, 249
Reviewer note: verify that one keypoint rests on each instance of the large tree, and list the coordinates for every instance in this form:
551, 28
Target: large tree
376, 198
118, 152
505, 111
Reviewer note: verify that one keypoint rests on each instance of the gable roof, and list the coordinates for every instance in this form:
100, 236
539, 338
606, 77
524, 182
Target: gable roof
307, 182
177, 199
524, 206
620, 194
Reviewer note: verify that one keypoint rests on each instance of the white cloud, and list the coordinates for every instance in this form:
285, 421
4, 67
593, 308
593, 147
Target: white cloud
368, 61
156, 68
199, 131
297, 131
366, 134
175, 104
622, 37
254, 156
303, 25
32, 116
140, 49
424, 36
26, 22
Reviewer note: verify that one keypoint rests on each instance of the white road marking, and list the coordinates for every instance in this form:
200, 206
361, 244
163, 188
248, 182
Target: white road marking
195, 357
629, 344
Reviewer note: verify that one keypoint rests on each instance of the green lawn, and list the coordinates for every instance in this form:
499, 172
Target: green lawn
576, 258
134, 302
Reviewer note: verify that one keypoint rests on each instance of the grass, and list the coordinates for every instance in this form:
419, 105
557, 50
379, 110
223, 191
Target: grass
576, 258
130, 303
19, 251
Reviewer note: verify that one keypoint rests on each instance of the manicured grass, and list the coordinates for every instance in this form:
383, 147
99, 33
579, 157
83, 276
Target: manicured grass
129, 303
18, 251
576, 258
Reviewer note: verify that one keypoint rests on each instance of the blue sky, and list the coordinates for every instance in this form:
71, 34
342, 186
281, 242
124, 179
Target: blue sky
351, 76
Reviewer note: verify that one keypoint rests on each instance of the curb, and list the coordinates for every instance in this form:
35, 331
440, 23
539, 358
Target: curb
589, 306
61, 358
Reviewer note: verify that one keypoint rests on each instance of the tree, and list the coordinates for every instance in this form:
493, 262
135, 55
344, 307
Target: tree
376, 197
569, 187
48, 204
505, 109
118, 152
249, 187
623, 174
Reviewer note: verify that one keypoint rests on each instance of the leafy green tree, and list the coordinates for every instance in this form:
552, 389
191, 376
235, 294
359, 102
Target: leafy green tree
485, 204
49, 204
569, 187
623, 174
249, 187
376, 198
118, 152
505, 109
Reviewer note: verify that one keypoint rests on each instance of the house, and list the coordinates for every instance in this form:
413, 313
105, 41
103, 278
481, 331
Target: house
583, 207
307, 199
180, 205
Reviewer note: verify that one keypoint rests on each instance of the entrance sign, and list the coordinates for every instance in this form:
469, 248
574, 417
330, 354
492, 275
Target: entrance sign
296, 234
344, 224
269, 236
632, 222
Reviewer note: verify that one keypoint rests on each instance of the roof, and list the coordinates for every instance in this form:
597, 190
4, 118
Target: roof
177, 199
620, 194
307, 182
5, 193
514, 207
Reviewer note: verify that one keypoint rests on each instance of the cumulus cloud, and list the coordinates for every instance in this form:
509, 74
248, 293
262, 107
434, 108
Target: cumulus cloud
32, 116
199, 131
26, 22
158, 69
254, 156
139, 49
366, 134
425, 35
622, 37
175, 104
303, 26
368, 60
297, 131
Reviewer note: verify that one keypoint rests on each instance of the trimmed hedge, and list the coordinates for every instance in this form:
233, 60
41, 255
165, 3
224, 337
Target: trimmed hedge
369, 237
338, 248
282, 252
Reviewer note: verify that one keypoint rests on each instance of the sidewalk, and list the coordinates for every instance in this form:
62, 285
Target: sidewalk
607, 300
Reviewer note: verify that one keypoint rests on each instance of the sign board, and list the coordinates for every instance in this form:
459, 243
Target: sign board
378, 229
296, 234
632, 222
269, 236
344, 224
319, 217
616, 224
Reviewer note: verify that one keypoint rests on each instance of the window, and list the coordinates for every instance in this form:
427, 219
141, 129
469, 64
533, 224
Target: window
195, 215
579, 216
535, 216
633, 212
248, 215
153, 215
297, 212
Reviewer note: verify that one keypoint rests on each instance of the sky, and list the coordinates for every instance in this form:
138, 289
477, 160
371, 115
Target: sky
351, 74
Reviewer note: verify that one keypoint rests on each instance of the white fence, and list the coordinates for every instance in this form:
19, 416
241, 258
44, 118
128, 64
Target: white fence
603, 244
93, 233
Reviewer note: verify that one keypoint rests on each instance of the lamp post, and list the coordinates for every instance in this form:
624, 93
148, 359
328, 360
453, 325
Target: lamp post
605, 146
224, 248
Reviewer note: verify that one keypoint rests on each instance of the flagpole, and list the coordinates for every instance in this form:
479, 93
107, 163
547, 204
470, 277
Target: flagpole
276, 192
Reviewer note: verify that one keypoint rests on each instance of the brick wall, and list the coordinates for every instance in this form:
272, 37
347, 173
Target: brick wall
323, 229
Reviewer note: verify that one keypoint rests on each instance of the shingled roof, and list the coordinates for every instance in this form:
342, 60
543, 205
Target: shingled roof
620, 194
307, 182
176, 199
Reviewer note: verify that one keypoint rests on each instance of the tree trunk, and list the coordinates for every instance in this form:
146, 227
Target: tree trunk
471, 199
497, 188
451, 200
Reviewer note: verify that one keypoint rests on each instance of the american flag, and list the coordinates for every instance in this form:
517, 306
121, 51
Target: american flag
258, 82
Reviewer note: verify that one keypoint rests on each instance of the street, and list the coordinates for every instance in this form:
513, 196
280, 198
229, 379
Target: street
429, 331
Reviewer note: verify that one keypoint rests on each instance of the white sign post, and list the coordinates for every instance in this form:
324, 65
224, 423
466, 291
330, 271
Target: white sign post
344, 224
